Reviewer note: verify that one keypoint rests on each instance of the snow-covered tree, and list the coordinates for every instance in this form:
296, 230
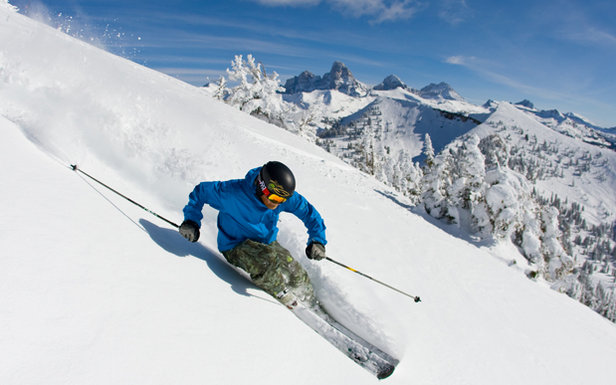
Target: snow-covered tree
255, 92
435, 182
249, 88
455, 182
428, 150
221, 91
559, 262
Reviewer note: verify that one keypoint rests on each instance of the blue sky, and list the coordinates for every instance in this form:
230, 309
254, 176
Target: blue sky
557, 53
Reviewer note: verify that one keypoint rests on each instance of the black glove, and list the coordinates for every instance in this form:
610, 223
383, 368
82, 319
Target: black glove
190, 230
316, 251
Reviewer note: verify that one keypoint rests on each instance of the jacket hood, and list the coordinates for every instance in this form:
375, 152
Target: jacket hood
249, 181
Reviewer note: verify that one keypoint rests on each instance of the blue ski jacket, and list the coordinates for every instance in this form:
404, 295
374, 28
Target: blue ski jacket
242, 215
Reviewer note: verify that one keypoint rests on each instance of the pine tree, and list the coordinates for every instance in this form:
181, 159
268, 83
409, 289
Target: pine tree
435, 182
221, 90
428, 151
258, 94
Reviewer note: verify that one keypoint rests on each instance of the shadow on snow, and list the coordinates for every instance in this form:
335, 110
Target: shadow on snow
172, 242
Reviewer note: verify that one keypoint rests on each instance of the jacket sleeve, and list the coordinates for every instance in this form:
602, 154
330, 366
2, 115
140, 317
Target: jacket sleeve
301, 208
205, 192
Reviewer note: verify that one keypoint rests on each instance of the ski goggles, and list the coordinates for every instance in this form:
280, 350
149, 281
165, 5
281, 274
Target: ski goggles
275, 198
268, 194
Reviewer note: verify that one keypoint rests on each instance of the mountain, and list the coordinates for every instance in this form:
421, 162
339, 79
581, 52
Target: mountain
393, 126
390, 83
304, 82
329, 107
338, 78
526, 103
571, 124
439, 91
393, 113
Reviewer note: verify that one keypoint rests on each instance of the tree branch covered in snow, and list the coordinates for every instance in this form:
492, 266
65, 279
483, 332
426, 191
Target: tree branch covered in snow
249, 88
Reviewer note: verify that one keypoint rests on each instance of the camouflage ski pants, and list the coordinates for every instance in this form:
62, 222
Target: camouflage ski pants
272, 268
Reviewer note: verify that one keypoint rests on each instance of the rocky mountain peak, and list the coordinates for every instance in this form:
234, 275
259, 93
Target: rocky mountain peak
390, 83
339, 71
338, 78
526, 103
441, 90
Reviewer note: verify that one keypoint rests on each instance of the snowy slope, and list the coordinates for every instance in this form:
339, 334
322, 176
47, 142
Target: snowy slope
569, 124
328, 104
582, 171
97, 291
398, 125
440, 103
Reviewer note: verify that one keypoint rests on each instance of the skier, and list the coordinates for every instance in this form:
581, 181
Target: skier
248, 211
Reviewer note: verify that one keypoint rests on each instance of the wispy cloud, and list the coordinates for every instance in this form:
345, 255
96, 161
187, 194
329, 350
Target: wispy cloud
240, 34
458, 60
256, 27
590, 35
289, 2
379, 10
454, 12
204, 42
576, 22
201, 42
482, 68
399, 10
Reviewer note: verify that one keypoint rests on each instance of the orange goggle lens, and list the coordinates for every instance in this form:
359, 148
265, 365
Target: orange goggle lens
276, 199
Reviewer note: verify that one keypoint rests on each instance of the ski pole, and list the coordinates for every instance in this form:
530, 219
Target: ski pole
75, 168
415, 298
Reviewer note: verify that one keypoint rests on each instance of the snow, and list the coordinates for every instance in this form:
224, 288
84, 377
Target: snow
595, 188
450, 105
328, 103
94, 290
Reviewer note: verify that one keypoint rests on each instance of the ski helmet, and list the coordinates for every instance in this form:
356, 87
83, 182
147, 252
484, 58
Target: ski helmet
276, 182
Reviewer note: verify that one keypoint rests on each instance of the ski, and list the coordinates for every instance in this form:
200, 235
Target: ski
362, 352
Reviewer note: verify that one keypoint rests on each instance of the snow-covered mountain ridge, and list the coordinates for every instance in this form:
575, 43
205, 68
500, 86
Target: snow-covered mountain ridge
572, 125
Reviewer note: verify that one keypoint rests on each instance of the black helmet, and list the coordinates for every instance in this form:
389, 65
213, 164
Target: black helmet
276, 178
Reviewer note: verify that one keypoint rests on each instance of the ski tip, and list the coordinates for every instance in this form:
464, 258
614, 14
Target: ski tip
385, 372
